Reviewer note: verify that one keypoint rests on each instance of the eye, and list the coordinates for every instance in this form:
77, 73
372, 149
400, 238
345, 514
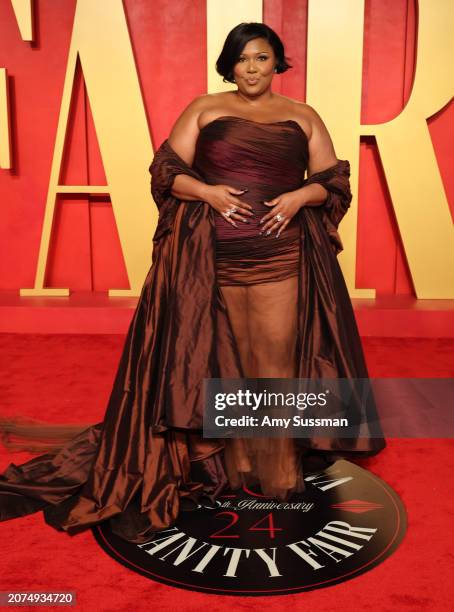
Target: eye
262, 57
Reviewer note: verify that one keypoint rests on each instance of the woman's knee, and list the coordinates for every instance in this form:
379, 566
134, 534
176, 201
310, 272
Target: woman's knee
277, 350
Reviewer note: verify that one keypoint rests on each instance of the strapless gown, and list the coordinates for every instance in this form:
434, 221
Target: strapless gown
148, 456
229, 151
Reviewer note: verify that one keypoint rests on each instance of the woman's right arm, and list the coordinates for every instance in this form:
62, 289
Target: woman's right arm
187, 187
183, 139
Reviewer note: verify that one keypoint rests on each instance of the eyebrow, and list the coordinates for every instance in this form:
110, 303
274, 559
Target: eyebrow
258, 53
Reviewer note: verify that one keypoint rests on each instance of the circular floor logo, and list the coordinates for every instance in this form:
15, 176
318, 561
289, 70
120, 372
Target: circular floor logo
346, 522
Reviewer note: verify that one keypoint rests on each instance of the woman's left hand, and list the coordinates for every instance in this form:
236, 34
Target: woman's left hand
286, 206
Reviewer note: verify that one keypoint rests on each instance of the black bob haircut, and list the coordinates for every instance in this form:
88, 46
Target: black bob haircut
236, 41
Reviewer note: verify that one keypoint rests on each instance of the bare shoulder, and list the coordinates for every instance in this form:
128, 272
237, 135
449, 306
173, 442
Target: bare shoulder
316, 128
207, 102
297, 110
193, 116
184, 133
322, 154
313, 116
189, 116
216, 104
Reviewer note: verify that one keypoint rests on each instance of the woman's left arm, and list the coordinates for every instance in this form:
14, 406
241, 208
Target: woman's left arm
321, 157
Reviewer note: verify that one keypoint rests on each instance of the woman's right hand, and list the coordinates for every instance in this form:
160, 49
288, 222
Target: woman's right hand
222, 199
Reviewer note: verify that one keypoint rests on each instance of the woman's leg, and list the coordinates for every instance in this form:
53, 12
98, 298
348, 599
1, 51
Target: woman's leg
264, 321
236, 299
272, 322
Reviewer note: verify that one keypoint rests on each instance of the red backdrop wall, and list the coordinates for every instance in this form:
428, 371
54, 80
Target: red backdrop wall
170, 51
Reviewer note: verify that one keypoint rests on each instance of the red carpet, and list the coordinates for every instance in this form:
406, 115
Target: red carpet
68, 377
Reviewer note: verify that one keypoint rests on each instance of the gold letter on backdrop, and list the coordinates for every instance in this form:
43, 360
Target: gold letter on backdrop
24, 17
409, 161
334, 76
335, 31
5, 134
100, 38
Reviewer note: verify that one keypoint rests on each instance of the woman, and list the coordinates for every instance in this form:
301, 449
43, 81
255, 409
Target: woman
244, 282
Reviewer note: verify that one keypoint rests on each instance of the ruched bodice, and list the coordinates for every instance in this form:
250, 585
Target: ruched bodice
266, 158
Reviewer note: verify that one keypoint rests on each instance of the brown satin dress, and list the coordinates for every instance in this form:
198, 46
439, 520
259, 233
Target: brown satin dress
148, 457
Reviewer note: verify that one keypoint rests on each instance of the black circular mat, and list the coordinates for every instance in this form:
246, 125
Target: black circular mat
346, 522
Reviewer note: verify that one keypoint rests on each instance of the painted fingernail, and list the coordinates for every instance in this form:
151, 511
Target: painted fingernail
268, 232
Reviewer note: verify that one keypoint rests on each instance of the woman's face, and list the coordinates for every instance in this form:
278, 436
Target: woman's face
254, 69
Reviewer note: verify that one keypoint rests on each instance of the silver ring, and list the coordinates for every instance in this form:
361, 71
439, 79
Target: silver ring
279, 217
232, 210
